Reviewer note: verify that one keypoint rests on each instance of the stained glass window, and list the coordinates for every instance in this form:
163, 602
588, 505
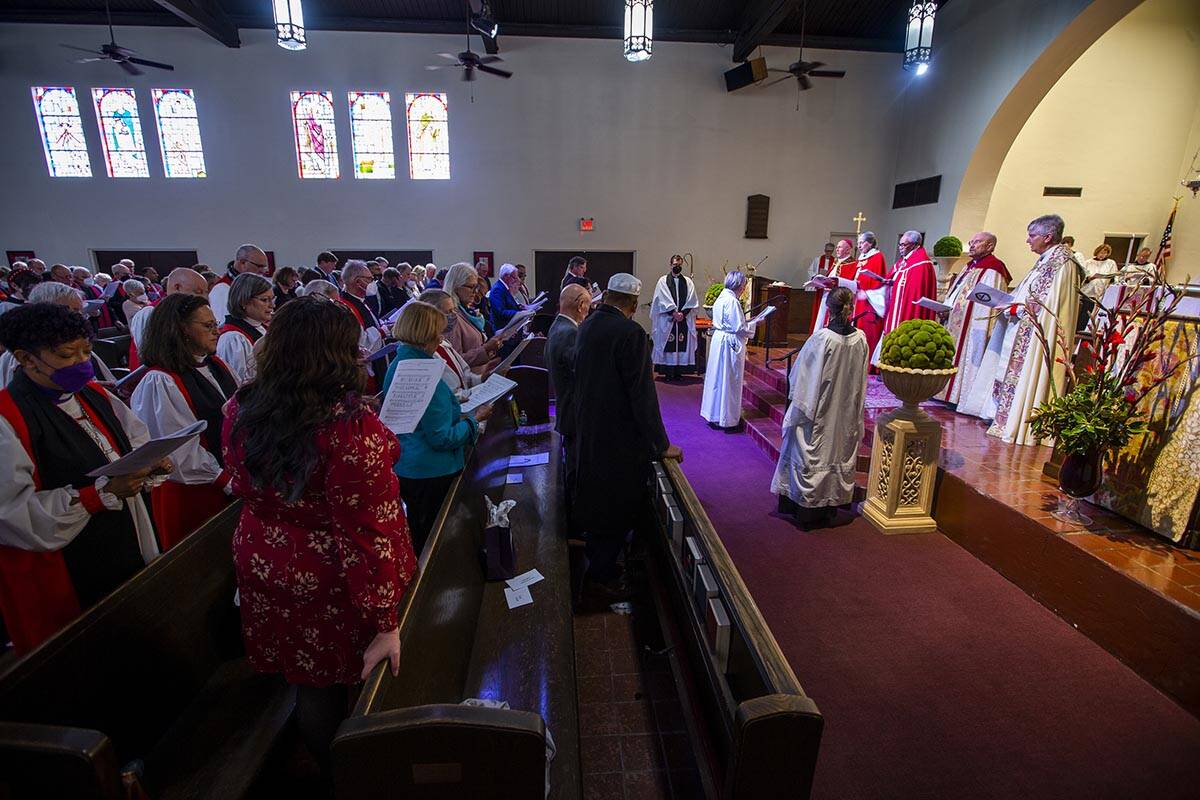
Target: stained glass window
58, 119
121, 133
316, 139
428, 136
179, 133
371, 135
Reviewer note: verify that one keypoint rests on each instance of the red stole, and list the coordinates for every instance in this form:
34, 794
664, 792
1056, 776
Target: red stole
915, 277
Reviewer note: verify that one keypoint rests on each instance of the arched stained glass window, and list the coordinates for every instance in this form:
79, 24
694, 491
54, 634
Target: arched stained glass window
121, 133
428, 136
179, 133
316, 139
371, 135
61, 127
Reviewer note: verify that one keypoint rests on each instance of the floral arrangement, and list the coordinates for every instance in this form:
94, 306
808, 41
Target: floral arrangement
947, 246
712, 293
1099, 409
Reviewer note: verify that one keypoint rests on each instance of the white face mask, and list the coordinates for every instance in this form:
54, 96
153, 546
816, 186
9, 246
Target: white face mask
89, 281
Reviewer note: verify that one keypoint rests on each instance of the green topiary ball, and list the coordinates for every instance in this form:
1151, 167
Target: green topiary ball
918, 344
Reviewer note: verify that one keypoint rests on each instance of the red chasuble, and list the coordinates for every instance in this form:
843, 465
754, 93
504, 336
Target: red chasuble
914, 276
847, 270
868, 320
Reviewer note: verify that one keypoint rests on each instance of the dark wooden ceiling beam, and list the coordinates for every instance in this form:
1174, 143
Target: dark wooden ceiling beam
491, 44
759, 21
207, 16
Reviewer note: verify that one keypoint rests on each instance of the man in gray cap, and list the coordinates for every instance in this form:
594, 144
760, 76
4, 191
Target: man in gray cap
618, 432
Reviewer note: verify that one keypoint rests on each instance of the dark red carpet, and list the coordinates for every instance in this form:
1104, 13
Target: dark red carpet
937, 677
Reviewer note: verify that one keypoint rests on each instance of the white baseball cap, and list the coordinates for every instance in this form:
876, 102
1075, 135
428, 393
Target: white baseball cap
625, 283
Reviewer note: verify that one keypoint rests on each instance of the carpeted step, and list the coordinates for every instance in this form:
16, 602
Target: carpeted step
765, 433
759, 396
769, 375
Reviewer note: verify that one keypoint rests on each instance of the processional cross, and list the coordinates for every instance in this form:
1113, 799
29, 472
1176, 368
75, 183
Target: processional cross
858, 223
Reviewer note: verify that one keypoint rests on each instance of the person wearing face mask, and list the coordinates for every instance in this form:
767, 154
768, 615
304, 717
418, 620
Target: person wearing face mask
673, 322
185, 382
458, 375
72, 300
251, 304
66, 540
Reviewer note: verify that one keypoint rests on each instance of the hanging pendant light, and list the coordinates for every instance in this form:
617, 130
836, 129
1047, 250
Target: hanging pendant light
639, 29
918, 42
289, 25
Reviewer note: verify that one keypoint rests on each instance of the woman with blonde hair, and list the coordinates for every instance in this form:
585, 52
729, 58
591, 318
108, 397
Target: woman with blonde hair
468, 337
433, 455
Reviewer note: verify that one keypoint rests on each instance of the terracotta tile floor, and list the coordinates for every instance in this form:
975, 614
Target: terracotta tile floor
633, 744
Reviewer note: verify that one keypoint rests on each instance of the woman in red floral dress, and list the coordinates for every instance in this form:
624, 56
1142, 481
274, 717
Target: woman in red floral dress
322, 550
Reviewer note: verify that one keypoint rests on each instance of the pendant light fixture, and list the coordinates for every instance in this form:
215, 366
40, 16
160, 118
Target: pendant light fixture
289, 25
918, 41
639, 29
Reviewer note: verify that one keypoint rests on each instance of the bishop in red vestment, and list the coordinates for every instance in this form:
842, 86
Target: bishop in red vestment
842, 267
870, 304
914, 276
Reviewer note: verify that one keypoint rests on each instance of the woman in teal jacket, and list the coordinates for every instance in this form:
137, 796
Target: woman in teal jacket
432, 455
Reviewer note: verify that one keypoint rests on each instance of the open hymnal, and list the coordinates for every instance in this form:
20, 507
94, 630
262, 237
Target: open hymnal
134, 375
150, 453
414, 381
92, 307
518, 320
872, 274
992, 298
111, 289
932, 305
384, 352
766, 312
495, 387
511, 357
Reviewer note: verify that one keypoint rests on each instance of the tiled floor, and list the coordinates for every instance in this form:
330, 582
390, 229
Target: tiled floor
633, 743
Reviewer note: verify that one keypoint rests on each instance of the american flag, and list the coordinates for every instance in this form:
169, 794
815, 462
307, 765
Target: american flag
1164, 247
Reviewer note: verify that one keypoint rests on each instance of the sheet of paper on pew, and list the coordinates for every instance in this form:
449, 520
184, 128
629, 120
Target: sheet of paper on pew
932, 305
384, 352
525, 579
495, 387
514, 477
412, 387
529, 460
511, 357
518, 597
992, 298
151, 452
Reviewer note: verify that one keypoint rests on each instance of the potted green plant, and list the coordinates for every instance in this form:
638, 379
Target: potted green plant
710, 296
947, 254
1099, 410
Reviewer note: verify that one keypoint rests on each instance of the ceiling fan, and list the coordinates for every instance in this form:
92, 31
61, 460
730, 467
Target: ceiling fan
122, 57
802, 70
470, 61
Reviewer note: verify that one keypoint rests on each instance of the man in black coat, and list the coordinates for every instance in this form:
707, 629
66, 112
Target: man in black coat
618, 431
573, 306
576, 273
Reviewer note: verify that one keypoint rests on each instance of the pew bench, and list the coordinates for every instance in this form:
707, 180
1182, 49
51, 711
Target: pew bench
754, 731
410, 736
153, 673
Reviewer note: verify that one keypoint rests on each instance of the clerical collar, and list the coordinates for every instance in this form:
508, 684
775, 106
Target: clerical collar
868, 254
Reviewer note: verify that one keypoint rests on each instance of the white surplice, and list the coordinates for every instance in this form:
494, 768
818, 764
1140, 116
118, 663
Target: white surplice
662, 326
824, 422
722, 400
1014, 376
969, 325
163, 409
237, 351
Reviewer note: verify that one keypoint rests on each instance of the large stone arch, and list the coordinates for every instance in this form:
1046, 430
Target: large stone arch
975, 192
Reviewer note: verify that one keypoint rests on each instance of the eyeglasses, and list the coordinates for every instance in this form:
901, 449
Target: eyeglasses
211, 327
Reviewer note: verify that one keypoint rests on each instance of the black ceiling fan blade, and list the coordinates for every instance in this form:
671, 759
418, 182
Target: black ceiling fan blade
82, 49
130, 68
490, 59
499, 73
827, 73
777, 80
811, 65
805, 83
88, 60
155, 64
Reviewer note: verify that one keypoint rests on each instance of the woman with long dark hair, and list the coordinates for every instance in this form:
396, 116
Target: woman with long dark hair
186, 382
322, 549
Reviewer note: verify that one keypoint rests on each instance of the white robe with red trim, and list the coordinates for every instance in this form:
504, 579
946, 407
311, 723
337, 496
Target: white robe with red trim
158, 403
969, 324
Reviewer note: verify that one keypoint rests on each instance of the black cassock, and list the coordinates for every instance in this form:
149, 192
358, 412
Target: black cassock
618, 426
677, 341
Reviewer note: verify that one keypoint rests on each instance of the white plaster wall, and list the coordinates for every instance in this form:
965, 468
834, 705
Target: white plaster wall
658, 153
1118, 124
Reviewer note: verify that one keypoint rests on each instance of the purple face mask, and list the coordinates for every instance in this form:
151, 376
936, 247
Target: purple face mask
73, 378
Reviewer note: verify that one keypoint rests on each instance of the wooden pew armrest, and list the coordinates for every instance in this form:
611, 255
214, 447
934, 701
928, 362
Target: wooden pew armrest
440, 751
58, 761
771, 731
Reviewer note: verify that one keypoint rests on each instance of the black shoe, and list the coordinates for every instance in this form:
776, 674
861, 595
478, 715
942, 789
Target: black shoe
714, 426
787, 505
596, 593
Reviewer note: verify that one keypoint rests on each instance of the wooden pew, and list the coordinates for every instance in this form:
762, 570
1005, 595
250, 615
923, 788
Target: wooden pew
153, 672
410, 736
114, 350
754, 731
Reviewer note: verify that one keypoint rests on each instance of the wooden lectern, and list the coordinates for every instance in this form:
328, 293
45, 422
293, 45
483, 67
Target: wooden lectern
794, 316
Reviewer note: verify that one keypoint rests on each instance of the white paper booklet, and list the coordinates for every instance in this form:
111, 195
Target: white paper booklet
413, 384
766, 312
495, 387
511, 357
992, 298
519, 319
932, 305
151, 452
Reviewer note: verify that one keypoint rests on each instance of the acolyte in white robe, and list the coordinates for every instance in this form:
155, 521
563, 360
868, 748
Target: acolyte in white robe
159, 404
237, 351
663, 329
722, 400
1014, 376
969, 325
51, 518
823, 426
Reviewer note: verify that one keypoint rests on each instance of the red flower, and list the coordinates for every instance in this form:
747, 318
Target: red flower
1131, 397
1116, 338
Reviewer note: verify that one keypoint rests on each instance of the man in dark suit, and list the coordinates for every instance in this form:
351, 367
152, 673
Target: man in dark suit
618, 432
573, 306
576, 273
391, 291
501, 296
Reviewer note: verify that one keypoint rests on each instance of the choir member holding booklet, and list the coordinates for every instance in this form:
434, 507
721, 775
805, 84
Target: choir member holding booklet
66, 539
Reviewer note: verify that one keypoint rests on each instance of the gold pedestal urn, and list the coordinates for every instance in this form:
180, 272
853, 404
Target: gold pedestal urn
904, 454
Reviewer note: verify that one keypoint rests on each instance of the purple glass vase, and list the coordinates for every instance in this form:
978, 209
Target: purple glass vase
1079, 477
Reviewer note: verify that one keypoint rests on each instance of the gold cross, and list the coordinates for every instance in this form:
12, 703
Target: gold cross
858, 223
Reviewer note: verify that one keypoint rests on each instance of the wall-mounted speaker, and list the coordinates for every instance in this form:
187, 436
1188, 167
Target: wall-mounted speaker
746, 73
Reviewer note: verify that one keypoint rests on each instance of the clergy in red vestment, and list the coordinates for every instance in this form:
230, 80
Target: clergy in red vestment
842, 267
871, 302
914, 276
